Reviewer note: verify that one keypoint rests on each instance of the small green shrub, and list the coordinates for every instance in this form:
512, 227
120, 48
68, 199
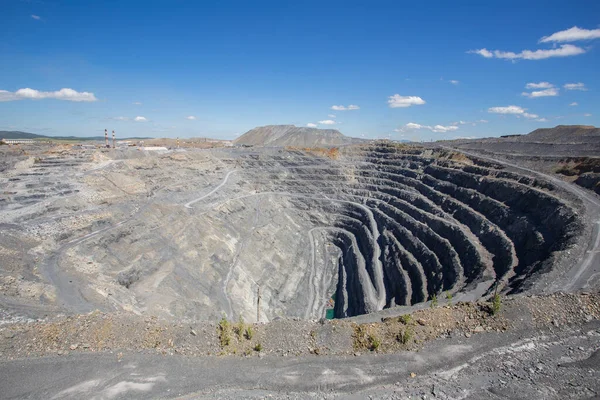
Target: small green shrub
405, 336
405, 319
224, 331
496, 304
240, 328
434, 301
249, 333
375, 342
258, 347
449, 297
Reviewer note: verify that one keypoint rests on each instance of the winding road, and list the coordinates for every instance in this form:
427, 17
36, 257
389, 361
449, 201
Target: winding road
219, 186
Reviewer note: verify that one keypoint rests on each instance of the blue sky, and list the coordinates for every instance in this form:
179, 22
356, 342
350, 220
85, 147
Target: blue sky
411, 70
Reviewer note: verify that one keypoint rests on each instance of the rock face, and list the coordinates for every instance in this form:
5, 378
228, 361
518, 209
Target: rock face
290, 135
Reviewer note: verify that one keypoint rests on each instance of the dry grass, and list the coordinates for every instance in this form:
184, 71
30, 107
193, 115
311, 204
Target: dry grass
578, 166
332, 153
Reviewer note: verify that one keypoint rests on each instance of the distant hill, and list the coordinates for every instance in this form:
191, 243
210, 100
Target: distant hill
290, 135
19, 135
563, 134
27, 135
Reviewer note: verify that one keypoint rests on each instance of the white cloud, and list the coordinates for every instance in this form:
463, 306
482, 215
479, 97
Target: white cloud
514, 110
121, 118
397, 101
573, 104
575, 86
36, 17
571, 35
541, 93
506, 110
311, 125
541, 120
327, 122
344, 108
484, 121
436, 128
442, 129
482, 52
587, 115
541, 85
191, 118
331, 115
137, 103
140, 119
565, 50
454, 82
62, 94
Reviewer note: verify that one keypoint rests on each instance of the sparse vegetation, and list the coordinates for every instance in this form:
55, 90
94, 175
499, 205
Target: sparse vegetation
449, 297
332, 153
496, 304
374, 341
365, 338
249, 333
434, 301
240, 328
258, 347
405, 336
578, 166
224, 331
405, 319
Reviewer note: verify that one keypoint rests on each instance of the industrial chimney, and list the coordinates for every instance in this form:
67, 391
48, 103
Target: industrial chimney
113, 139
106, 138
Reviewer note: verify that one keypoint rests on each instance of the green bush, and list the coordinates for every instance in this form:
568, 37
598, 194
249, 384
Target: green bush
224, 331
258, 347
375, 342
240, 328
434, 301
405, 336
405, 319
496, 304
249, 333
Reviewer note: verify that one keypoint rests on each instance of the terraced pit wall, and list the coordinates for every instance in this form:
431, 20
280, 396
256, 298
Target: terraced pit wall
412, 223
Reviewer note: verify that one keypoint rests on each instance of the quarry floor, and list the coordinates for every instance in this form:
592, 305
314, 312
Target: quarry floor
535, 347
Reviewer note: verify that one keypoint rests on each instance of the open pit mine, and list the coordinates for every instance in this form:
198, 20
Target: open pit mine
300, 263
268, 233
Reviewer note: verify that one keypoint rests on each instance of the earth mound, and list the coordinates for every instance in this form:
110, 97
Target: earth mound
290, 135
564, 134
560, 141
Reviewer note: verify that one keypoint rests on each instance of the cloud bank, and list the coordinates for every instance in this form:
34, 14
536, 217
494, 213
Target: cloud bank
565, 50
32, 94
